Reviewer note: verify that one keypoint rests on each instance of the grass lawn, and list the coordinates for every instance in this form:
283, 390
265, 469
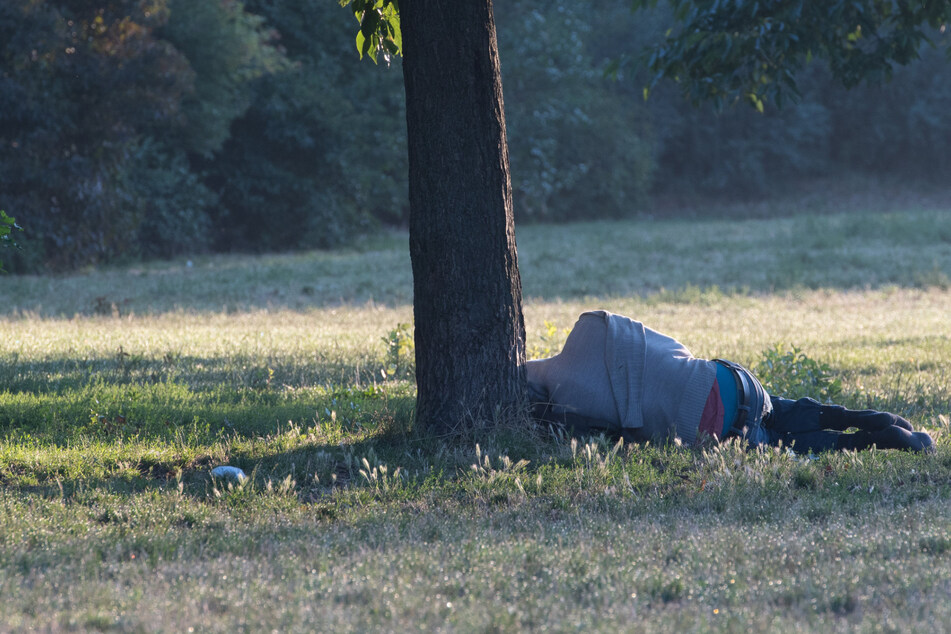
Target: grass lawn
121, 388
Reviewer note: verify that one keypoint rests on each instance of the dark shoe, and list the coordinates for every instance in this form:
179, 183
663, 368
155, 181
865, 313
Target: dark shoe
922, 441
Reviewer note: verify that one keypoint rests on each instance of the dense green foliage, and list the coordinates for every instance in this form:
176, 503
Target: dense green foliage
136, 129
724, 50
100, 111
767, 53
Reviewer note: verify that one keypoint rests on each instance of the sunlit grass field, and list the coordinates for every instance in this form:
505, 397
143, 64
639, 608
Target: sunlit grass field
121, 388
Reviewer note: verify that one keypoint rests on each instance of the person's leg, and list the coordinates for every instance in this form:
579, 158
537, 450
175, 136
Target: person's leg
892, 437
807, 425
838, 417
811, 441
796, 424
575, 424
794, 417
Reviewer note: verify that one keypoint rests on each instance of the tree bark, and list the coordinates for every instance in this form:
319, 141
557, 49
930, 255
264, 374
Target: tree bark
470, 335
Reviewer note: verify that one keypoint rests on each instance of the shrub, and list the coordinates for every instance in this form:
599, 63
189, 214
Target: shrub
791, 373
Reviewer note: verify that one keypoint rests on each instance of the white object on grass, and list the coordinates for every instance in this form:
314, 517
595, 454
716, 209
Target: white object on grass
233, 473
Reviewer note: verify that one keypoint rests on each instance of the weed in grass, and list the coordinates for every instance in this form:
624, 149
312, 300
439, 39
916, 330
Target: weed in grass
552, 340
660, 588
379, 479
495, 481
806, 477
400, 361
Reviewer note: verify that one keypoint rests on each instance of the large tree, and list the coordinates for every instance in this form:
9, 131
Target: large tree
470, 336
469, 328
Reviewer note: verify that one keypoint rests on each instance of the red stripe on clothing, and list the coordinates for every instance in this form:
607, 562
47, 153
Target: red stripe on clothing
711, 421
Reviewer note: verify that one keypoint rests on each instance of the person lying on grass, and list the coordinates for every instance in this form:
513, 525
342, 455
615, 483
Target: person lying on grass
618, 377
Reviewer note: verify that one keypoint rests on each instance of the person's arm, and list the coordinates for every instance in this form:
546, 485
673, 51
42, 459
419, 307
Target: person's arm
574, 424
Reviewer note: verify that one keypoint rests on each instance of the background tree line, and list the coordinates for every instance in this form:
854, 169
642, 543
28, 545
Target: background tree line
133, 128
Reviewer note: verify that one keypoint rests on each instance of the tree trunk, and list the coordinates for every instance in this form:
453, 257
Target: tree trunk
470, 335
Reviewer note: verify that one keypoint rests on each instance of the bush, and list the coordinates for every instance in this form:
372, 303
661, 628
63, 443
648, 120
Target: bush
790, 373
900, 128
227, 49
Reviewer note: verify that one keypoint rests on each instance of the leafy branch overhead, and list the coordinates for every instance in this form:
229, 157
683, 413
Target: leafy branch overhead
730, 49
379, 32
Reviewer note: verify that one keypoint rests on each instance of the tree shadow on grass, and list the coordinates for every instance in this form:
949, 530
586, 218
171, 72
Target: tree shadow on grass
56, 400
317, 456
232, 371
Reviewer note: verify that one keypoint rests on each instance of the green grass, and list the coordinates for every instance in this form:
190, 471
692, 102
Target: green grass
121, 389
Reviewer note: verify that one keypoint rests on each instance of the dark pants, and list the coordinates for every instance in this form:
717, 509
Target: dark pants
807, 425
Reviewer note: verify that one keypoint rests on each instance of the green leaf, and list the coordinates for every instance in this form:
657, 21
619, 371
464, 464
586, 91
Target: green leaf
379, 27
362, 44
370, 23
391, 18
7, 225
